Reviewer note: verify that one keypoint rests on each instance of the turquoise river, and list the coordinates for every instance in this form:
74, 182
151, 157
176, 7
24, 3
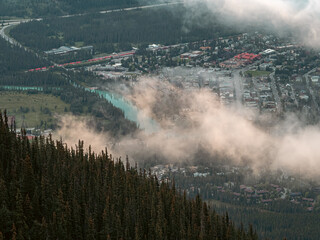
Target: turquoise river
130, 111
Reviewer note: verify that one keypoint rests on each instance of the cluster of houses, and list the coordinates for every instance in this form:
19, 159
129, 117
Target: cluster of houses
191, 55
31, 133
216, 183
258, 95
66, 50
288, 91
240, 60
268, 194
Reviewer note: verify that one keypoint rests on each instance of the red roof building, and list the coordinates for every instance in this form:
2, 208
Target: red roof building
248, 56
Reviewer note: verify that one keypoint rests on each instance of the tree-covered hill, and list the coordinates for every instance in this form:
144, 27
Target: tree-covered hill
121, 30
37, 8
14, 58
49, 191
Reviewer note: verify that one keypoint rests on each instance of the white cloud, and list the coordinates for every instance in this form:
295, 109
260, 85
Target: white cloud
219, 130
300, 17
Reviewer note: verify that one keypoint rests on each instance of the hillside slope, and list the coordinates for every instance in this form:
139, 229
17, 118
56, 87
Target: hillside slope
49, 191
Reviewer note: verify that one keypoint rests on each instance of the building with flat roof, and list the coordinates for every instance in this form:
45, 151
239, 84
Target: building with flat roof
248, 56
65, 50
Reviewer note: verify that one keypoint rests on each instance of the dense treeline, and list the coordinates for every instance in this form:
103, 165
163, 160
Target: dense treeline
119, 30
30, 8
36, 8
40, 79
275, 225
59, 83
105, 116
14, 58
210, 191
275, 220
48, 191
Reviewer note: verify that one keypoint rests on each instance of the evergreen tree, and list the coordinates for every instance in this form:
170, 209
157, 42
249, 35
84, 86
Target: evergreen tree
52, 192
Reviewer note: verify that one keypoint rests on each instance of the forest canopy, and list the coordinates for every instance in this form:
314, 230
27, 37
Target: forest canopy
49, 191
38, 8
121, 30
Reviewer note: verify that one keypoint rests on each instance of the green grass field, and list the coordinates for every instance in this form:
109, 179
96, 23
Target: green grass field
32, 110
79, 44
219, 204
257, 73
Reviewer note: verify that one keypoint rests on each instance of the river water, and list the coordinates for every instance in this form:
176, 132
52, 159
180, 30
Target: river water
130, 111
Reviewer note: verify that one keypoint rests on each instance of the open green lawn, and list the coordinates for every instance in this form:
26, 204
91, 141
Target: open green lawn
257, 73
79, 44
220, 204
32, 110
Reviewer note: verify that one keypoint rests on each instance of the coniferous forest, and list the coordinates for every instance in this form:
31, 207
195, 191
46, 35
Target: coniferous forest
49, 191
35, 8
14, 58
119, 31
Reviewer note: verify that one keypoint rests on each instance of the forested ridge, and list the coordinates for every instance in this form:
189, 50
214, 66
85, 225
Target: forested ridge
36, 8
275, 225
103, 115
14, 63
14, 58
49, 191
121, 30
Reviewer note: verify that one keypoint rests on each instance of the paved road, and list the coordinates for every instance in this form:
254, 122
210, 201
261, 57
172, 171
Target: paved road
117, 55
8, 38
275, 92
142, 7
121, 9
314, 101
294, 96
18, 21
238, 80
12, 40
238, 85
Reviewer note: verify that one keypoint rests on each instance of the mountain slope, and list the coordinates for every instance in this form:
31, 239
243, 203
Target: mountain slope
49, 191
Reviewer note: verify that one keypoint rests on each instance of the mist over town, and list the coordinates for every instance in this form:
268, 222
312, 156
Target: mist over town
210, 102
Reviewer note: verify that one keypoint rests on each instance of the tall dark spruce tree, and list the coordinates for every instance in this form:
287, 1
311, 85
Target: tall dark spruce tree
49, 191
